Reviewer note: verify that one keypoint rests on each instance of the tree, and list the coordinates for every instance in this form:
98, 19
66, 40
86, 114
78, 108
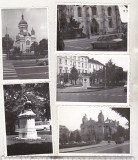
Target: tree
16, 51
16, 95
71, 137
78, 136
34, 47
124, 112
7, 43
67, 25
66, 77
43, 46
74, 74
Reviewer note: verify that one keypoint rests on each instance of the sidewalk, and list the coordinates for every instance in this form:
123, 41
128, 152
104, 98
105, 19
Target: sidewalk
73, 149
79, 89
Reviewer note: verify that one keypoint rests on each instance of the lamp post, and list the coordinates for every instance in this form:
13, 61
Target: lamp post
105, 77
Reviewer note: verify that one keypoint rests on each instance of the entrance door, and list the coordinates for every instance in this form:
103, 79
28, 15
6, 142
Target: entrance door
94, 27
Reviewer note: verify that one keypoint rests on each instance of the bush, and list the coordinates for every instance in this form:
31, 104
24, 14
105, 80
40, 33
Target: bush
26, 149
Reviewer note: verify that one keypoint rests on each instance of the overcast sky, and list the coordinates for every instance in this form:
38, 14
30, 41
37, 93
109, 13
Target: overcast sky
123, 13
71, 116
36, 18
119, 60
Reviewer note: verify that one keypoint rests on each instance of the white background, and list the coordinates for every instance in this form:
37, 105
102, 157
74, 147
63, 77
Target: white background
133, 50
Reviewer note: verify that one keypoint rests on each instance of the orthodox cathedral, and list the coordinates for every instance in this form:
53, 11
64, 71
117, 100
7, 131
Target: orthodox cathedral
24, 39
95, 19
92, 130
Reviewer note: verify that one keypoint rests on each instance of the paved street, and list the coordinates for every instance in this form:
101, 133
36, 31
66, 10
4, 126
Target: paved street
111, 148
84, 44
24, 69
114, 95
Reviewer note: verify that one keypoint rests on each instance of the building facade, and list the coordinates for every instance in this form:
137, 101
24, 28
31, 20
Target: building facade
82, 63
95, 19
92, 130
24, 39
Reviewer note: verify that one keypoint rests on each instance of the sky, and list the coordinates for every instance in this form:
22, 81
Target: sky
71, 116
36, 18
119, 60
123, 13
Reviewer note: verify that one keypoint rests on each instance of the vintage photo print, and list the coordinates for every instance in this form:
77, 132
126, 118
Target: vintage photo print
92, 27
94, 130
28, 119
97, 78
25, 43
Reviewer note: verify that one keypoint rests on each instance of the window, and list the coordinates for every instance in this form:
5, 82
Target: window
78, 64
27, 42
109, 11
60, 70
110, 23
85, 65
66, 61
94, 10
79, 12
82, 65
60, 61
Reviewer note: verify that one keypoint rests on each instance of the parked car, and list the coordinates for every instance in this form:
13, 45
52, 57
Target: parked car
119, 140
125, 87
42, 61
108, 42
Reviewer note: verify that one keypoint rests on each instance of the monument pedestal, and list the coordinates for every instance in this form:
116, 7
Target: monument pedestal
86, 82
27, 129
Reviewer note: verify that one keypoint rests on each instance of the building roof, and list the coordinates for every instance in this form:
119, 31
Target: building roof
22, 20
95, 62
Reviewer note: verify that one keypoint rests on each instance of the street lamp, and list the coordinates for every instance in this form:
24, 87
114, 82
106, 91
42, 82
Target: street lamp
105, 77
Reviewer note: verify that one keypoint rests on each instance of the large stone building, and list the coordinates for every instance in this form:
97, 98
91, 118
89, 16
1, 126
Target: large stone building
24, 39
95, 19
92, 130
82, 63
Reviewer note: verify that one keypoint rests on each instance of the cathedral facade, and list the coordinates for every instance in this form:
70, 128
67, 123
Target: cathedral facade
96, 19
24, 39
92, 130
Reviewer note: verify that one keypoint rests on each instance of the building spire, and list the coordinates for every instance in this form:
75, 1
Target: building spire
22, 16
6, 30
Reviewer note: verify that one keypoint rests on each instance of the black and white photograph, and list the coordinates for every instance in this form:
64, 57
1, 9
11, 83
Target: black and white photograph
92, 27
28, 119
97, 78
94, 130
25, 43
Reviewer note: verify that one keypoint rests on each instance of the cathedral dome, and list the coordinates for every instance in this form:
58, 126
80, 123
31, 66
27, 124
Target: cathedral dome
22, 21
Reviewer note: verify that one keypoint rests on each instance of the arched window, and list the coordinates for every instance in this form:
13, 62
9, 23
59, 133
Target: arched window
94, 10
27, 42
109, 11
79, 12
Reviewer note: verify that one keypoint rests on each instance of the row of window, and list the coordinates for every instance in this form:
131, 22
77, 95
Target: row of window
94, 11
82, 64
